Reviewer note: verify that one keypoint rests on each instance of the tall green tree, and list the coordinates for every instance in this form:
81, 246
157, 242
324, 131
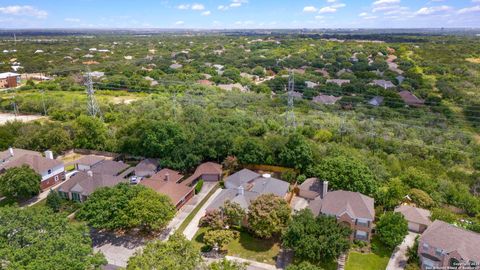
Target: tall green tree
304, 266
268, 215
89, 133
34, 238
391, 229
20, 183
233, 212
175, 254
227, 265
347, 174
319, 239
297, 153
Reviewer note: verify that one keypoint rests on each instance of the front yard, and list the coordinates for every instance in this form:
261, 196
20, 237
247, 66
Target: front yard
377, 259
247, 247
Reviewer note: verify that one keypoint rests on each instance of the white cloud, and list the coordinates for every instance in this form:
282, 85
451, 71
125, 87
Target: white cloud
363, 14
75, 20
24, 11
469, 10
432, 10
385, 2
327, 10
206, 13
179, 23
198, 7
183, 6
309, 9
331, 1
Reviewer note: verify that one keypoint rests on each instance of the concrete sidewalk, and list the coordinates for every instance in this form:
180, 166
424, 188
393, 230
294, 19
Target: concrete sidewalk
192, 227
252, 265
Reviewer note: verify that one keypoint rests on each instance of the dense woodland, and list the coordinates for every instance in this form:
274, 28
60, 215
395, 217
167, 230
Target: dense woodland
430, 153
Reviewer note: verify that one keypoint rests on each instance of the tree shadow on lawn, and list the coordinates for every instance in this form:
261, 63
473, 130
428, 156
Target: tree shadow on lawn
249, 242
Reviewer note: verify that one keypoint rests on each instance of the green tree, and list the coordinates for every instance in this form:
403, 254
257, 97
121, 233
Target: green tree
304, 266
20, 183
268, 215
34, 238
392, 229
233, 212
54, 201
213, 219
319, 239
89, 133
391, 194
225, 264
421, 198
175, 254
347, 174
150, 210
297, 153
220, 238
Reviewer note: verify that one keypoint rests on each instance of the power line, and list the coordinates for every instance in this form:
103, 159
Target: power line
92, 105
290, 122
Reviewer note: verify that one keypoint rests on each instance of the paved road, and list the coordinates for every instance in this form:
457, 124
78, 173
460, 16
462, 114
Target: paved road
192, 227
398, 260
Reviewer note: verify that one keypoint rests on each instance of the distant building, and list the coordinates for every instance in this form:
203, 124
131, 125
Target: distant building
176, 66
9, 80
410, 99
383, 83
82, 184
208, 171
326, 99
87, 162
147, 167
351, 209
338, 82
51, 170
310, 84
231, 87
376, 101
444, 245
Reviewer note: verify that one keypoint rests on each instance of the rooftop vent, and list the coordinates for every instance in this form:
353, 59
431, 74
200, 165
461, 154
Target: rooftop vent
266, 175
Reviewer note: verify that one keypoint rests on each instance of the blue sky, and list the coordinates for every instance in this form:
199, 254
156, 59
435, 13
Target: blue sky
221, 14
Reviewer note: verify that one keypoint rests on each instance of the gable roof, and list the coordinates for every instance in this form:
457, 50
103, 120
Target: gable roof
210, 168
311, 188
414, 214
241, 177
269, 185
148, 164
340, 202
90, 160
17, 152
326, 99
451, 238
410, 99
233, 195
81, 182
162, 175
109, 167
176, 192
38, 163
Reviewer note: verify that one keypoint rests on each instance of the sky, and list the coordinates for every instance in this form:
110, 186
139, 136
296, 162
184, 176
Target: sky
238, 14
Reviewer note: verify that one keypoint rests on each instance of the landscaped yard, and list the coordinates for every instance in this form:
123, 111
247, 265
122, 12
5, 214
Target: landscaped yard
248, 247
195, 211
376, 260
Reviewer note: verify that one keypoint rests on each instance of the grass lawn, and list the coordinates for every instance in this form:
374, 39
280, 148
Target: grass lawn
195, 211
376, 260
247, 247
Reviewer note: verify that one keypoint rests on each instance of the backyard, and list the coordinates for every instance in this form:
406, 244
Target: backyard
247, 247
377, 259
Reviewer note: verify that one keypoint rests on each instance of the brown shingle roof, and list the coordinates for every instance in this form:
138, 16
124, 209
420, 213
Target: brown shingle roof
176, 192
109, 167
90, 160
414, 214
173, 176
205, 168
17, 152
38, 163
450, 238
338, 202
85, 184
310, 188
410, 99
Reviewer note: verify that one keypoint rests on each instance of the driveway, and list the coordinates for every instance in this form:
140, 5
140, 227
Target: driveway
398, 260
192, 227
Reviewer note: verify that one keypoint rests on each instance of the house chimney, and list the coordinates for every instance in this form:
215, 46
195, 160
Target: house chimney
324, 189
241, 190
49, 154
10, 150
90, 173
167, 177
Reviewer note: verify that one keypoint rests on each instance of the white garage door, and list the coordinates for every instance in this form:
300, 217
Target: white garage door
414, 227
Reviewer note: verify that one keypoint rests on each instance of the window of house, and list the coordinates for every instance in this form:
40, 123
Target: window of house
361, 235
362, 222
49, 171
56, 178
75, 196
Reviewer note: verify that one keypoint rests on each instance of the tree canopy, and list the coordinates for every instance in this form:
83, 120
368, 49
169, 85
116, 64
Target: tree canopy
268, 215
20, 183
392, 228
35, 238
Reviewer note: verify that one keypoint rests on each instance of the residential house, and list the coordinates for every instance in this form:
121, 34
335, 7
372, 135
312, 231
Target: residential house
383, 83
109, 167
351, 209
83, 183
418, 219
231, 87
410, 99
205, 82
338, 82
167, 182
176, 66
312, 188
9, 80
146, 167
326, 99
245, 186
52, 171
87, 162
208, 172
310, 84
444, 245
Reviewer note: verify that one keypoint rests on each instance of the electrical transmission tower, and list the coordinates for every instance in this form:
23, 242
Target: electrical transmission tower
290, 115
92, 105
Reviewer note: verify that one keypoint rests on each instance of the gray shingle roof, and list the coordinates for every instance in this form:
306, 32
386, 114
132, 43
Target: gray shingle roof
84, 184
109, 167
414, 214
270, 185
338, 202
241, 177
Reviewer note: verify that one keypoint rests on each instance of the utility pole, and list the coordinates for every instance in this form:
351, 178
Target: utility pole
43, 102
92, 105
290, 121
